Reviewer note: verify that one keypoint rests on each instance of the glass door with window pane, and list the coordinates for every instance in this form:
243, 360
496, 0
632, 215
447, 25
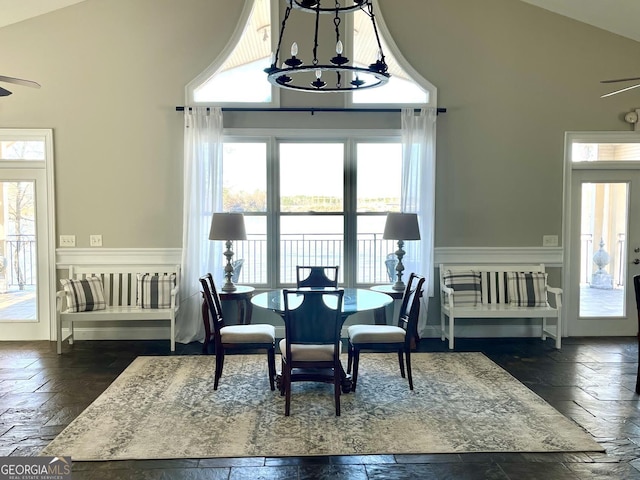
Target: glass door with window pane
605, 235
27, 288
18, 254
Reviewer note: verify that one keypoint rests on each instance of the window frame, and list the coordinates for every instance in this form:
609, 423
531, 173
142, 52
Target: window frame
273, 138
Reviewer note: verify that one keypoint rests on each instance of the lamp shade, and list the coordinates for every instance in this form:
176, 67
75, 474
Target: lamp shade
401, 226
227, 226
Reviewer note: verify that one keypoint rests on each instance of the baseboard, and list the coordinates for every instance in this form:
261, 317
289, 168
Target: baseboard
522, 329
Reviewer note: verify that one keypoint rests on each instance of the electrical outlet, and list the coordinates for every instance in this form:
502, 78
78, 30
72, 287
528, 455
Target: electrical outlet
67, 240
95, 240
549, 240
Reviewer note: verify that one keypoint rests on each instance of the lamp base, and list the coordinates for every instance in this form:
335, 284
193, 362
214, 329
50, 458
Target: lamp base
399, 286
229, 287
228, 270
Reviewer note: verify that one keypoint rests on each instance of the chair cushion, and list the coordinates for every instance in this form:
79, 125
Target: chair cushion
308, 353
258, 333
84, 295
376, 334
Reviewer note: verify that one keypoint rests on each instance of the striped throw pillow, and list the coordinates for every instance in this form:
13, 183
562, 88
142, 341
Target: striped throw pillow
527, 289
154, 291
466, 285
84, 295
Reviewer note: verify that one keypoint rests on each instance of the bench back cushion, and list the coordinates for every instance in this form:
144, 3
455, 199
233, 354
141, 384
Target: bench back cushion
494, 285
84, 295
466, 284
120, 282
154, 291
527, 289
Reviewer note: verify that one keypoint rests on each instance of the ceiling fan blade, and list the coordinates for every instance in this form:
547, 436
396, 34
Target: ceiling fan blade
4, 93
620, 80
19, 81
620, 91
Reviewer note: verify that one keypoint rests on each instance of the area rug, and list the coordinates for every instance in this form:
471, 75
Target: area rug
166, 408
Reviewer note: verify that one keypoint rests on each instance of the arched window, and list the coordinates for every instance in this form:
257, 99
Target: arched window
237, 76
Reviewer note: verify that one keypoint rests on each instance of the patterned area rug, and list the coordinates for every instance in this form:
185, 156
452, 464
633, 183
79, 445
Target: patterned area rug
165, 407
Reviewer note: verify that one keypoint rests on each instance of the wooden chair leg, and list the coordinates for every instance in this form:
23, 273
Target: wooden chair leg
408, 358
638, 374
287, 391
356, 364
349, 358
271, 361
337, 388
401, 362
219, 366
282, 367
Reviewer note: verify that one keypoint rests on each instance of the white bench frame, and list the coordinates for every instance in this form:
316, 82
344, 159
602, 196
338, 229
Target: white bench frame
493, 300
120, 291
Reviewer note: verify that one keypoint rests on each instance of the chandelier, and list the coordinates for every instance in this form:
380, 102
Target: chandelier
339, 74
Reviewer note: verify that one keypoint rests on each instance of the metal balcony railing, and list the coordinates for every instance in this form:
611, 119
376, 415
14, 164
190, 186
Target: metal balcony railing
314, 249
19, 260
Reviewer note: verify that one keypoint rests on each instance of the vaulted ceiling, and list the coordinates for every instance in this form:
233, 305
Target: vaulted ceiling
14, 11
617, 16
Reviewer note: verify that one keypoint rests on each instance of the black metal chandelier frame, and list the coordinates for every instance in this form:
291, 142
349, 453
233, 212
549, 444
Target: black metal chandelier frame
293, 73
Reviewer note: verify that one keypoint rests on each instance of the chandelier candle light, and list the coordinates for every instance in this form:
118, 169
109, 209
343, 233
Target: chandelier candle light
295, 75
228, 227
401, 227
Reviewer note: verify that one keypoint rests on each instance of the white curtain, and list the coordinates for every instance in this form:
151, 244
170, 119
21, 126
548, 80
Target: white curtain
418, 193
203, 141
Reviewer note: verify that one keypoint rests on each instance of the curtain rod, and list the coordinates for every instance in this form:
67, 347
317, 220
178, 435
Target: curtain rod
312, 110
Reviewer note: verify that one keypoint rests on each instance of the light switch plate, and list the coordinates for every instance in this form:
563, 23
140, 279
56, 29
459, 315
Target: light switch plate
95, 240
549, 240
67, 240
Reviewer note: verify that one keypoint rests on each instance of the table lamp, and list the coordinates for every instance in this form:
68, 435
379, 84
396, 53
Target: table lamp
401, 227
228, 227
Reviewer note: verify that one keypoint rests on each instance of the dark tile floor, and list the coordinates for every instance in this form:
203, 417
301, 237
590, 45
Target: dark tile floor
590, 380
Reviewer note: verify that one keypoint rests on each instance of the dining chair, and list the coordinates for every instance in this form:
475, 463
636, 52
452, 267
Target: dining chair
236, 338
636, 286
312, 346
388, 338
317, 276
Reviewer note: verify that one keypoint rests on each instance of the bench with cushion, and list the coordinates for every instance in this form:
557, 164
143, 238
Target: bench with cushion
498, 292
98, 293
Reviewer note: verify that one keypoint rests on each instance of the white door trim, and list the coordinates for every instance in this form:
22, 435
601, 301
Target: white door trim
45, 240
570, 292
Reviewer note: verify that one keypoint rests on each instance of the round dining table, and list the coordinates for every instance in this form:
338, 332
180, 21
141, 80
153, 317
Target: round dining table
355, 300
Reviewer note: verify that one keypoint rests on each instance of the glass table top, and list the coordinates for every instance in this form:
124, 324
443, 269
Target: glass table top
354, 300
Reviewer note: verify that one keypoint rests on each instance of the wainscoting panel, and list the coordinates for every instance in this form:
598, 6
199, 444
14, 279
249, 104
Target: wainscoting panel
550, 256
